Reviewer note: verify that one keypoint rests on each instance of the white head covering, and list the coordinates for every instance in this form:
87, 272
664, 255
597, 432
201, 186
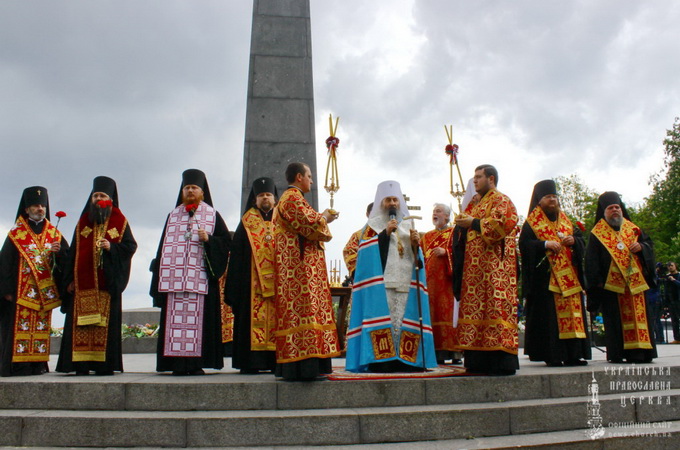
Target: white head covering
469, 193
389, 188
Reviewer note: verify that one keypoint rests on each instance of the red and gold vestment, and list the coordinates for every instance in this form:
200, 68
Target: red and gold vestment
305, 326
564, 283
37, 293
488, 304
439, 273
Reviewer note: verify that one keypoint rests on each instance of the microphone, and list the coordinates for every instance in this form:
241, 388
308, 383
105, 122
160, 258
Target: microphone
393, 213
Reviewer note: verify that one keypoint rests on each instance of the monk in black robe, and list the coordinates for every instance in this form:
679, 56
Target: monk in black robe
549, 243
250, 289
97, 272
29, 314
192, 256
619, 269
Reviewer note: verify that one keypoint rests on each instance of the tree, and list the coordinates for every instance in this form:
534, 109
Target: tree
578, 201
660, 215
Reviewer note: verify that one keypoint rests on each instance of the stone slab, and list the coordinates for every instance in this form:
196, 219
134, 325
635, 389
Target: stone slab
281, 120
209, 397
142, 316
64, 395
402, 424
11, 431
288, 8
299, 428
282, 77
480, 389
66, 428
354, 394
281, 36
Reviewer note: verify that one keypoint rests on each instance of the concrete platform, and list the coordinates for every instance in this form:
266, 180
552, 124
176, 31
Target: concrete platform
540, 406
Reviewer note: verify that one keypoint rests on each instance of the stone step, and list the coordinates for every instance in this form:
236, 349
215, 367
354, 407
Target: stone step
229, 391
658, 435
337, 426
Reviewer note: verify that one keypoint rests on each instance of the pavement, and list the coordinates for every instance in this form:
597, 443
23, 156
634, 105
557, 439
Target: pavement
669, 355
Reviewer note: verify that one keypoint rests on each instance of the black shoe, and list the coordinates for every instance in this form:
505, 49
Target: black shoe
576, 362
103, 372
180, 373
249, 371
553, 363
196, 372
82, 372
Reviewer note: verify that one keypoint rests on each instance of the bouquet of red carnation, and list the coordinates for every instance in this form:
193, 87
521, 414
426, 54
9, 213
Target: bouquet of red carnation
580, 226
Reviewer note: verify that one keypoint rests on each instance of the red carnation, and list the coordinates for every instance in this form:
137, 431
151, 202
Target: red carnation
332, 141
104, 204
636, 231
452, 151
580, 226
191, 209
60, 214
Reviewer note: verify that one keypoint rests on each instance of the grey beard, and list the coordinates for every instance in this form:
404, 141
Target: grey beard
37, 218
615, 222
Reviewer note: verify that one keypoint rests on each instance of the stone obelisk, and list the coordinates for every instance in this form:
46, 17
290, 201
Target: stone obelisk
280, 110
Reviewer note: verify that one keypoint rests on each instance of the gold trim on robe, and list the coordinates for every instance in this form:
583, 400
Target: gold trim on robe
260, 234
626, 279
37, 293
488, 304
564, 282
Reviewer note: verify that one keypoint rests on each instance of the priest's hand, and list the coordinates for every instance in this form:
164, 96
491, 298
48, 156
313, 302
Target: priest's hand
464, 221
636, 247
56, 246
554, 246
415, 238
439, 251
330, 217
203, 235
103, 243
8, 297
71, 287
391, 226
568, 241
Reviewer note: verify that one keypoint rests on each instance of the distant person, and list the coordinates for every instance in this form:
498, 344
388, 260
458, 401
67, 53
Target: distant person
619, 269
192, 256
552, 260
306, 335
673, 299
437, 247
487, 325
250, 286
31, 263
97, 273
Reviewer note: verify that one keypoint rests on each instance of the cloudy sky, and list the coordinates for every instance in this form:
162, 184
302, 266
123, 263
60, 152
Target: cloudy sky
141, 90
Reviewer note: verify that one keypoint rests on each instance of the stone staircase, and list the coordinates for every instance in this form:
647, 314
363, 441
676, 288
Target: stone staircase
227, 410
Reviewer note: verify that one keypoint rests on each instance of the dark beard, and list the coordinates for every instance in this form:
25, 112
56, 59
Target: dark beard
98, 215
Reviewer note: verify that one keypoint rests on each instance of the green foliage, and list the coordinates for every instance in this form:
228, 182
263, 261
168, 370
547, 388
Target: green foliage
660, 214
578, 201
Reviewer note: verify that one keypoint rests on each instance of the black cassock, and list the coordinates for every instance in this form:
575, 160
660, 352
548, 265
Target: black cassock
238, 291
116, 266
541, 337
212, 355
9, 266
598, 261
